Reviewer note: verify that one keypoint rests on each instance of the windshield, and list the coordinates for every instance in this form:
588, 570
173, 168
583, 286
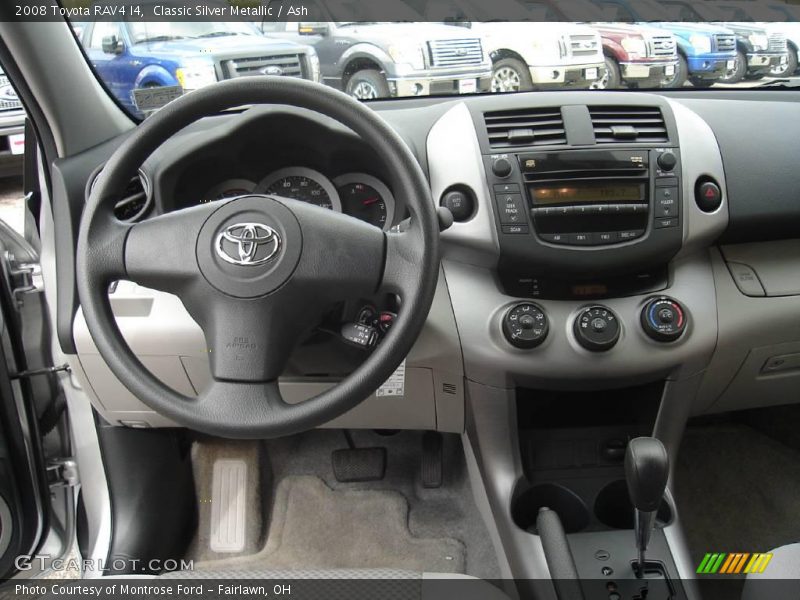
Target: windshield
410, 48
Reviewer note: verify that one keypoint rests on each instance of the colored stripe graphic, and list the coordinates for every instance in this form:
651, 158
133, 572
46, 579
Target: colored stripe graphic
733, 563
704, 563
732, 558
741, 562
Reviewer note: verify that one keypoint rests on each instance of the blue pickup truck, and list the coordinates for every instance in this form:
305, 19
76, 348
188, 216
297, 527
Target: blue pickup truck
135, 55
706, 53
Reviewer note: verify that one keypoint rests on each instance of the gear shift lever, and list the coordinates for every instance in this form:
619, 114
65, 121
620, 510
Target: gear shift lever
646, 471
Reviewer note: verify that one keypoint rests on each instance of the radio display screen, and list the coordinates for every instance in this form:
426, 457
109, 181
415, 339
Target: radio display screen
592, 193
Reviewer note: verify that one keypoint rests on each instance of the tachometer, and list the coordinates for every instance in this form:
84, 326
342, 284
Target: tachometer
300, 183
367, 198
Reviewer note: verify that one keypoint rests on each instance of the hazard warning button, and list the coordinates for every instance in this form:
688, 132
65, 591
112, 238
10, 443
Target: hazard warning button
707, 195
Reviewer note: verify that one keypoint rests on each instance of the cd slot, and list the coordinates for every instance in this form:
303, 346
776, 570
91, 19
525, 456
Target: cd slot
585, 174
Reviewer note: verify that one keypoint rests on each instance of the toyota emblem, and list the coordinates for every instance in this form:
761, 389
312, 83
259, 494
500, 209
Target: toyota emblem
247, 244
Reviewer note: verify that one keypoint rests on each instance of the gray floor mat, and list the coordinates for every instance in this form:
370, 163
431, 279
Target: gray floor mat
737, 490
448, 512
314, 526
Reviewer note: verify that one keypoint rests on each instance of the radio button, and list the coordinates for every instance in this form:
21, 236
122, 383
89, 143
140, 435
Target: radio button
511, 209
581, 239
563, 211
515, 229
630, 234
555, 238
666, 182
506, 188
605, 237
666, 223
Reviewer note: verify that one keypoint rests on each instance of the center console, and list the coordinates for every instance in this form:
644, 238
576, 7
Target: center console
580, 281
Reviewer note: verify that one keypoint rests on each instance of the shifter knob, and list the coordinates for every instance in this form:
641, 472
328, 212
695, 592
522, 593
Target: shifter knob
646, 471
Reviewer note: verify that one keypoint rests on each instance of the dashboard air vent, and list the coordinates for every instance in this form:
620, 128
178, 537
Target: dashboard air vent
526, 127
621, 124
135, 200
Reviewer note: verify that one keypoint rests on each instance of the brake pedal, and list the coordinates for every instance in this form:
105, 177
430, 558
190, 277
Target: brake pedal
351, 465
432, 470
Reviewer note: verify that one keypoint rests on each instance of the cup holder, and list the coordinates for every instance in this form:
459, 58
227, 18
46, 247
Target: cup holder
570, 508
613, 507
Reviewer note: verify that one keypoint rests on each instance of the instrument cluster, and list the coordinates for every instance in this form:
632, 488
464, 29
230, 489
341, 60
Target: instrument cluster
356, 194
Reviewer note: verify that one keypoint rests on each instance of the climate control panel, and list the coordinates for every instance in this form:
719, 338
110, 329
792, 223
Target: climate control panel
597, 327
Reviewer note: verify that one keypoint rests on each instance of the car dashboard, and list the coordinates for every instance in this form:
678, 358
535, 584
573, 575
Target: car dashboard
601, 241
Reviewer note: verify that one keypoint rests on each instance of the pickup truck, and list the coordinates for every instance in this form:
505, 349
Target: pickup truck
12, 129
527, 53
706, 52
761, 49
786, 19
635, 55
374, 59
135, 55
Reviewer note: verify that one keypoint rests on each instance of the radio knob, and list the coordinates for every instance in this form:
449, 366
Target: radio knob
502, 167
667, 161
663, 319
597, 328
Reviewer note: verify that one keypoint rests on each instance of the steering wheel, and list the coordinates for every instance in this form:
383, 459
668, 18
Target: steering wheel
250, 270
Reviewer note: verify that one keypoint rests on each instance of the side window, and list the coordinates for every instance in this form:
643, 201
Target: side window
102, 29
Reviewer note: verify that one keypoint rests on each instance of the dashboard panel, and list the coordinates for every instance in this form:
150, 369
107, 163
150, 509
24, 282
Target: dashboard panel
682, 309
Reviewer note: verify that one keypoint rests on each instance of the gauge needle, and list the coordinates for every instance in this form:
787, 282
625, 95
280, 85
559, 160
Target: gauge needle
369, 201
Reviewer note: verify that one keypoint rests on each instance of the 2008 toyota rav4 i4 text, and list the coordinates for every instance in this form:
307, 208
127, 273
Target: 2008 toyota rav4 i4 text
291, 310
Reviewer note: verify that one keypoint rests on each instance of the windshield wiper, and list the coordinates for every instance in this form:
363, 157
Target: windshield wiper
214, 34
163, 38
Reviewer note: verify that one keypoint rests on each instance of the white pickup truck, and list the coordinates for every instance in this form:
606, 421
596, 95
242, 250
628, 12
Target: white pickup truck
526, 52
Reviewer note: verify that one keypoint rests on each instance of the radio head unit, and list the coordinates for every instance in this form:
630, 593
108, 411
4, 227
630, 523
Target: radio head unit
576, 210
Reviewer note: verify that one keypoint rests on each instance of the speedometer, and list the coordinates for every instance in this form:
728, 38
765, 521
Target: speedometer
300, 183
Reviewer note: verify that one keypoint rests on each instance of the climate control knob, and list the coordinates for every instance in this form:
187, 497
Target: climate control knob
663, 319
597, 328
525, 325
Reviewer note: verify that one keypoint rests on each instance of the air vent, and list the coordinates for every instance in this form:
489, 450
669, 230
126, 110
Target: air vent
620, 124
135, 200
526, 127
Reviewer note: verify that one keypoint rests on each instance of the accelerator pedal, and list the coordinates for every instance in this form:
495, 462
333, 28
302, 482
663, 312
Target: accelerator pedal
432, 475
